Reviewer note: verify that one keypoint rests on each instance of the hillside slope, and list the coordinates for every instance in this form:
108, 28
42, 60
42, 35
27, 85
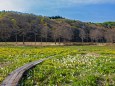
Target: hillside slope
16, 26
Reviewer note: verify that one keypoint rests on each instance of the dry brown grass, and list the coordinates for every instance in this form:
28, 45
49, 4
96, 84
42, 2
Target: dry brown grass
53, 44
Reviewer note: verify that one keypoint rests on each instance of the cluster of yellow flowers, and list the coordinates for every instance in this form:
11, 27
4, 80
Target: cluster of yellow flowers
75, 66
63, 66
14, 57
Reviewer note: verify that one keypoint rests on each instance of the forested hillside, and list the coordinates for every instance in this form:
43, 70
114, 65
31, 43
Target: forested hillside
23, 27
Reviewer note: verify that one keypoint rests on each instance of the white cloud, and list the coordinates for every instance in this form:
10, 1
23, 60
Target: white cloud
16, 5
25, 5
89, 1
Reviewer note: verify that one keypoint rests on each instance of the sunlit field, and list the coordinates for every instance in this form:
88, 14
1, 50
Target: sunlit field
69, 65
57, 42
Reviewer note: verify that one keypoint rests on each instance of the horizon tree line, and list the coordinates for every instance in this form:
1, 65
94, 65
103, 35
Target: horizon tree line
18, 27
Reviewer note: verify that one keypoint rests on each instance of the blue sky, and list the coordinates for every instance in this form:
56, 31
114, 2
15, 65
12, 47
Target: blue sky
83, 10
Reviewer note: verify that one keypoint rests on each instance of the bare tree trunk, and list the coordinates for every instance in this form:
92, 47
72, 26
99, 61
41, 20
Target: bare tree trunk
64, 41
55, 41
91, 40
5, 41
82, 40
86, 39
102, 40
59, 40
46, 40
16, 40
35, 39
41, 40
23, 40
96, 40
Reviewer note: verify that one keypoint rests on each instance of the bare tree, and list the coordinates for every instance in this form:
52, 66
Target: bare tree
34, 28
59, 32
15, 30
113, 35
4, 34
24, 30
5, 30
54, 34
92, 35
82, 34
44, 32
56, 31
110, 35
95, 35
67, 34
66, 31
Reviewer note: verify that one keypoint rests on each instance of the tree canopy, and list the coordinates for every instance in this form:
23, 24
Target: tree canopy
16, 26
